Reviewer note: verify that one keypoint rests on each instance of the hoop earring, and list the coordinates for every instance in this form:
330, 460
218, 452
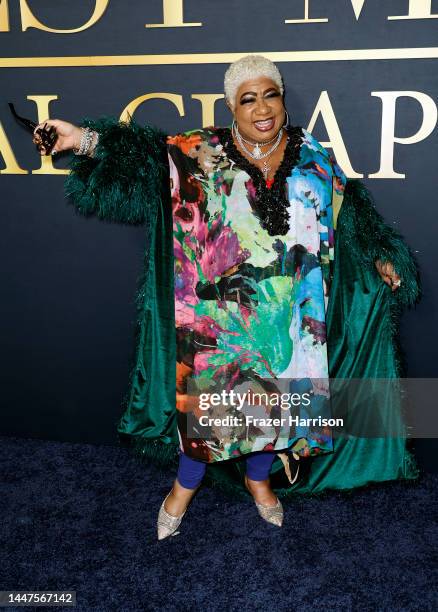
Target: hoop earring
285, 125
234, 127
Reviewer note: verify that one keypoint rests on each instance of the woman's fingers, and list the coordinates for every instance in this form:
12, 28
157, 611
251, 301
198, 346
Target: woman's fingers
67, 135
388, 274
395, 282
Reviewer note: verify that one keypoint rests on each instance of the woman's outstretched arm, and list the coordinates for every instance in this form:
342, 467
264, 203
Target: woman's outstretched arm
123, 175
377, 244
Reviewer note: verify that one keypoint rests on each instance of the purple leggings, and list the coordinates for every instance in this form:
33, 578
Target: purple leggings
191, 471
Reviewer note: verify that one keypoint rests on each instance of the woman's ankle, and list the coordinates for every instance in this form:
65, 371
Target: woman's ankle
261, 491
178, 499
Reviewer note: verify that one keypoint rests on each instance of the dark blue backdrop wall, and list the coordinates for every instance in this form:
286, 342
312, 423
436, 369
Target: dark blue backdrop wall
361, 75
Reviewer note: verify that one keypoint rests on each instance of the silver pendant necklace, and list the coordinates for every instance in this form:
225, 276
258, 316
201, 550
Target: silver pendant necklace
257, 153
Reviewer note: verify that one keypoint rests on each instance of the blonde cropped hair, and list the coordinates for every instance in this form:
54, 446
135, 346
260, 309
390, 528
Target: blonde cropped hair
247, 68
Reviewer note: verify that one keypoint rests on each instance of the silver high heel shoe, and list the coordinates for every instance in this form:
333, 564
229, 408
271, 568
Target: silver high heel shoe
271, 514
167, 524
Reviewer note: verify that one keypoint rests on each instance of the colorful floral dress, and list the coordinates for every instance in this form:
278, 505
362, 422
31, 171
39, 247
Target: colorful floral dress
253, 264
263, 318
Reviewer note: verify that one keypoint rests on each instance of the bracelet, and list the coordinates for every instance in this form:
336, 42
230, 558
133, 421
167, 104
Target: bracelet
88, 142
93, 144
84, 144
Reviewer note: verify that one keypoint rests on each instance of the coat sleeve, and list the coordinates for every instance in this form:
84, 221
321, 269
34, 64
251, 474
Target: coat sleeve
126, 177
369, 238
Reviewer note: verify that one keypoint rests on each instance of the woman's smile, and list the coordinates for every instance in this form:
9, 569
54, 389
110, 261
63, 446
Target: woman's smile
265, 125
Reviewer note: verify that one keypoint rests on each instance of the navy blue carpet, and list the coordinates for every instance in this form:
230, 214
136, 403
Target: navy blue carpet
82, 517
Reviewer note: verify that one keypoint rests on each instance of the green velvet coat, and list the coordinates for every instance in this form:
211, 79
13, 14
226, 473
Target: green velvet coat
127, 182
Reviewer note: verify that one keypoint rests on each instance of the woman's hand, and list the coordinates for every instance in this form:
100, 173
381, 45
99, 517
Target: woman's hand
388, 274
69, 135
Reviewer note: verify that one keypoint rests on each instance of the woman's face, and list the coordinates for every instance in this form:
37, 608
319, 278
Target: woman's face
259, 110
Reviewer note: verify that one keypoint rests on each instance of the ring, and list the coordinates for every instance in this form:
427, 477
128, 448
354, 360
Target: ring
54, 151
397, 283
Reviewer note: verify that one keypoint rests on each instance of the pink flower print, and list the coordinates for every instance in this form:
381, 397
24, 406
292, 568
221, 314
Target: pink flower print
186, 278
221, 252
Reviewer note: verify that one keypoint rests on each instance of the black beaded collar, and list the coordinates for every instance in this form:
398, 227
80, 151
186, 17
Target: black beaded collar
269, 204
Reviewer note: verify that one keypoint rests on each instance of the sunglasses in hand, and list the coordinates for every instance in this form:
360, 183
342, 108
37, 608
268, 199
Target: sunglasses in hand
44, 137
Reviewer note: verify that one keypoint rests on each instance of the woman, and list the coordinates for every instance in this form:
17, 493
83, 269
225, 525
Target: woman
236, 289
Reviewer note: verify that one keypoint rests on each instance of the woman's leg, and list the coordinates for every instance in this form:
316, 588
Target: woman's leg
258, 467
189, 477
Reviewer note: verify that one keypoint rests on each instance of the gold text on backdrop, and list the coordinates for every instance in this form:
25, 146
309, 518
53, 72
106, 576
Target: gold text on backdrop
173, 15
28, 19
418, 9
389, 139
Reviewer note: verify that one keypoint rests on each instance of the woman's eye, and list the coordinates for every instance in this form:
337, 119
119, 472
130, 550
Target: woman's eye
246, 100
273, 94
